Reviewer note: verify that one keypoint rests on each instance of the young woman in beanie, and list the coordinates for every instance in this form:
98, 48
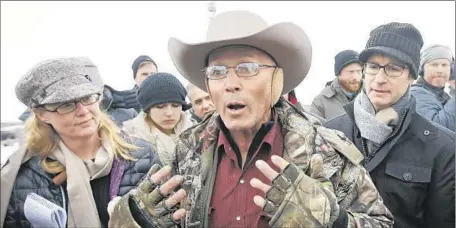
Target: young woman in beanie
163, 118
75, 156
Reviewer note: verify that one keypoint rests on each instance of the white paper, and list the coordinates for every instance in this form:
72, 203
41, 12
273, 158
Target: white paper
40, 212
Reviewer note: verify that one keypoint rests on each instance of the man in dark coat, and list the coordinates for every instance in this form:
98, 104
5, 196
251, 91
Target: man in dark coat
410, 158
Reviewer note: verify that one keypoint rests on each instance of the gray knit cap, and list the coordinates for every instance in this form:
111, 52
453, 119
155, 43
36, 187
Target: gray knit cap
54, 81
434, 51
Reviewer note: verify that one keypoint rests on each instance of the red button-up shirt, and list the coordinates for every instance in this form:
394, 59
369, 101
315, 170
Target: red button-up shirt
232, 198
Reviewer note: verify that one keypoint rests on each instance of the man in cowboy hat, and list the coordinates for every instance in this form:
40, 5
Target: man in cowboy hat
257, 161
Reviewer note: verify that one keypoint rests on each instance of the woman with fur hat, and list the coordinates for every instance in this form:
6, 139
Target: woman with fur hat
163, 118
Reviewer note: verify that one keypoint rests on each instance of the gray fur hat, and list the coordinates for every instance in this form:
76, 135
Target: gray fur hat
54, 81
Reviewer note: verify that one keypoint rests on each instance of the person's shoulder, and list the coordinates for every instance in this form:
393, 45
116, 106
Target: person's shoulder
339, 121
130, 124
437, 138
144, 149
31, 174
419, 90
421, 124
341, 144
326, 92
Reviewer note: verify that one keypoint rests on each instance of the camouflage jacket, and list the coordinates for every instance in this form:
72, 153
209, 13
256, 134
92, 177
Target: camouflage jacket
353, 187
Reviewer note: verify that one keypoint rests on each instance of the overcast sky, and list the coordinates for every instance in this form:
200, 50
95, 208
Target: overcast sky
113, 34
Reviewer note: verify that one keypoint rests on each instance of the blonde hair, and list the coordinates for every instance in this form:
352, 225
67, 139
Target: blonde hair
149, 121
43, 140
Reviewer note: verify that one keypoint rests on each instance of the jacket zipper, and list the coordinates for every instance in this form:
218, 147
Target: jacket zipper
63, 197
64, 203
372, 155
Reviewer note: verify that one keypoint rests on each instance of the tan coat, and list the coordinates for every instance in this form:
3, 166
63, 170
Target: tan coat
164, 144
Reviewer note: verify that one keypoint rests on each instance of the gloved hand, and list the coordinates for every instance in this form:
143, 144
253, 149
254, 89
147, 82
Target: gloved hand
151, 204
295, 199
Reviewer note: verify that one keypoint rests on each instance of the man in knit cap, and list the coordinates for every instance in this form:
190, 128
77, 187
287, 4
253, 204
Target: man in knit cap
143, 67
432, 101
257, 161
410, 159
348, 82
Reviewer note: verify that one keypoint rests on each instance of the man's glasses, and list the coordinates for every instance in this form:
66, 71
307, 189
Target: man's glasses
67, 107
391, 70
242, 70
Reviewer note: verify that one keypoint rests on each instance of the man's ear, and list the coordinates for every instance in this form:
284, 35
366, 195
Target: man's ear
276, 86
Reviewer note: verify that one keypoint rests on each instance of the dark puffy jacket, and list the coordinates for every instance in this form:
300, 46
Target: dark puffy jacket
413, 169
32, 178
126, 99
119, 105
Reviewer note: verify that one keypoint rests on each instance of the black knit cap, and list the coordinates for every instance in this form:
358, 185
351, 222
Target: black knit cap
138, 61
344, 58
161, 88
401, 41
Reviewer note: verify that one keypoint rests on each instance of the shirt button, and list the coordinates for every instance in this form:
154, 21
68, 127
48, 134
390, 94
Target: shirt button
241, 181
407, 176
426, 132
238, 218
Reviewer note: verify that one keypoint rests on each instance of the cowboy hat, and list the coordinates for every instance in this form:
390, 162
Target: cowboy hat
286, 42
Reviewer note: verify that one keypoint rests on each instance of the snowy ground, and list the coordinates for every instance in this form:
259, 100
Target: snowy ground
11, 132
6, 151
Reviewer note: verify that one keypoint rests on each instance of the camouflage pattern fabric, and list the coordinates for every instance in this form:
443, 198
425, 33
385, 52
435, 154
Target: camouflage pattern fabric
334, 181
296, 199
150, 202
350, 183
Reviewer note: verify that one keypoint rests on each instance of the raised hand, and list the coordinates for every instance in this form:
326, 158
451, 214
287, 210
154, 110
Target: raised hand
159, 200
294, 199
155, 204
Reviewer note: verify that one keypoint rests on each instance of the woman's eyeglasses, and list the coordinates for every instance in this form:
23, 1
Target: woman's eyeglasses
67, 107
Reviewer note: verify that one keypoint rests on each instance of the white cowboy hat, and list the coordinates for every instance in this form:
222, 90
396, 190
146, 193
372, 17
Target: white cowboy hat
286, 42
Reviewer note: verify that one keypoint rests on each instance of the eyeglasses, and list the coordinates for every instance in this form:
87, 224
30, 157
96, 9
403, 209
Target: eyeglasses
218, 72
67, 107
391, 70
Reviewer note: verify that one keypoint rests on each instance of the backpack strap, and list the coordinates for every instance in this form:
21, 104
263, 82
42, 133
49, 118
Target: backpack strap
342, 144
